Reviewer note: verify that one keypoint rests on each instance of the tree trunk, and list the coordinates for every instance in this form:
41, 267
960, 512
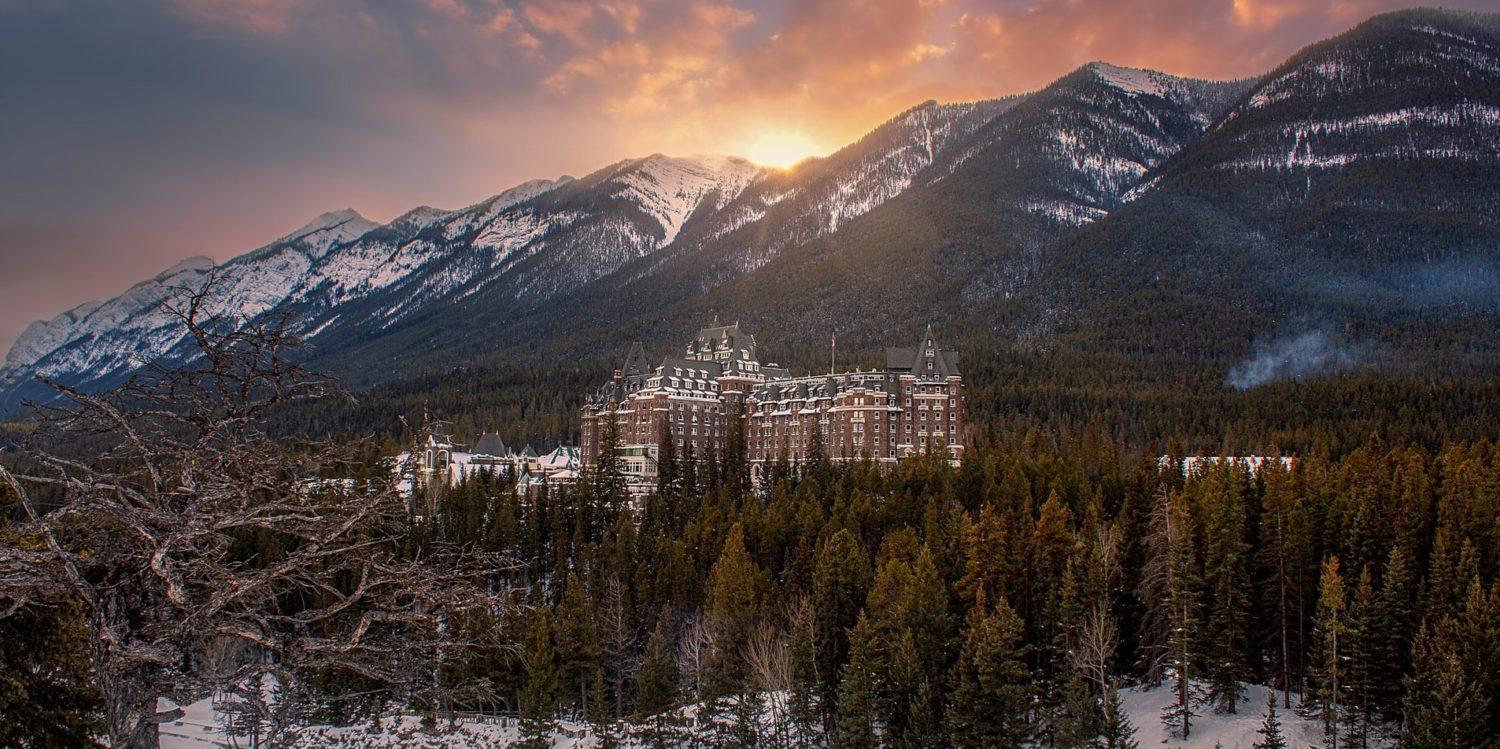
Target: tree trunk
133, 720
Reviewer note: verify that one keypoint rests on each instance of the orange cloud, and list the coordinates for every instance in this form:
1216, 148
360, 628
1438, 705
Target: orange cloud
451, 8
566, 18
260, 16
695, 75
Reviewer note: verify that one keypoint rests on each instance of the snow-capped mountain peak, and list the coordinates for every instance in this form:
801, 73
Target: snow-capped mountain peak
1131, 80
670, 189
194, 264
329, 229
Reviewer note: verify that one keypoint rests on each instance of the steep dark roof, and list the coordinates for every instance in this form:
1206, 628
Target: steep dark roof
491, 444
709, 340
636, 362
712, 369
925, 360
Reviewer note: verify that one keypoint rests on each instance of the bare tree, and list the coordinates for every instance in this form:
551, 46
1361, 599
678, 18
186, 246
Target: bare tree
1154, 589
768, 658
694, 650
189, 528
1097, 635
617, 639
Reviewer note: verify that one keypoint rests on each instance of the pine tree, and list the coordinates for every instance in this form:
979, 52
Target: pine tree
1391, 635
804, 704
735, 458
991, 686
47, 694
1445, 707
1359, 667
1116, 731
660, 725
1328, 631
1081, 721
543, 686
923, 725
736, 588
1183, 585
688, 475
742, 730
1052, 544
577, 640
1270, 728
1226, 579
817, 467
854, 718
841, 580
667, 484
1154, 588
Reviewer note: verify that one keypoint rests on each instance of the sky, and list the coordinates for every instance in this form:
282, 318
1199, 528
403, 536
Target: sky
135, 133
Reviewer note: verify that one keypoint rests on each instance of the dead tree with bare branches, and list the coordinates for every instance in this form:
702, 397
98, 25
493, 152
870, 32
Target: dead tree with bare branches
208, 556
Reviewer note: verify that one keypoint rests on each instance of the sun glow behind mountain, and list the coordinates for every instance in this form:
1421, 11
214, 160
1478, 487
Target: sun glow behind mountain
782, 149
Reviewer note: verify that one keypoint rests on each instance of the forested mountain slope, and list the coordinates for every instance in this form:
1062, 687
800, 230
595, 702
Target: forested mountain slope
1345, 211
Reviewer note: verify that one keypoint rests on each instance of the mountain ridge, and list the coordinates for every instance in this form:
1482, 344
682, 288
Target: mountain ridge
1006, 211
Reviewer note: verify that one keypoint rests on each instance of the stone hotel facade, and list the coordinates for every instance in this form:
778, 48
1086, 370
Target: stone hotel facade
915, 403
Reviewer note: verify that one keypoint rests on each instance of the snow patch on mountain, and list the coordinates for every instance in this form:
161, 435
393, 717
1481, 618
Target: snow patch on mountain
486, 211
1132, 80
671, 189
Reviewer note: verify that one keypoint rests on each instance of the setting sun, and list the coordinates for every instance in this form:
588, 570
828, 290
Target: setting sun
781, 149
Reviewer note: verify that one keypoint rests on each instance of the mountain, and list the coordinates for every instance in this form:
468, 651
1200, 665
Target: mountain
419, 286
1346, 210
1345, 202
968, 231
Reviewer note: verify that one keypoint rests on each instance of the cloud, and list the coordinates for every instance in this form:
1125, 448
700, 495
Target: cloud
260, 16
1024, 45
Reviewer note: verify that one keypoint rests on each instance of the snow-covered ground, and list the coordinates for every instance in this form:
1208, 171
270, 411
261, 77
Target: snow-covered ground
1237, 731
200, 729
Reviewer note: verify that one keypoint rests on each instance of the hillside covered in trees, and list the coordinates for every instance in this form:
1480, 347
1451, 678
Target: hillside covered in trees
1001, 603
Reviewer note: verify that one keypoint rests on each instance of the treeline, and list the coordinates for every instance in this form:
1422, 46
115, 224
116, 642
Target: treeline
1010, 392
1000, 602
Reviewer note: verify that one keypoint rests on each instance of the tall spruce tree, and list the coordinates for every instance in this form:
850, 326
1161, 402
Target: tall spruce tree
854, 725
1445, 706
1393, 631
991, 686
48, 699
1181, 601
841, 581
1227, 584
1360, 673
607, 480
668, 482
659, 725
1329, 629
541, 694
736, 589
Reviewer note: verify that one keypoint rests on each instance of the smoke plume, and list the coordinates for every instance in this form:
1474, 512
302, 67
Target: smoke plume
1308, 354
